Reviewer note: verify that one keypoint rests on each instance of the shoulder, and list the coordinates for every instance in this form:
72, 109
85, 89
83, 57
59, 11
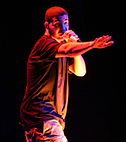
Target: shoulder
45, 38
46, 42
45, 47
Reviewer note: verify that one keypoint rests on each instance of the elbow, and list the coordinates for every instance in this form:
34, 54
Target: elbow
81, 73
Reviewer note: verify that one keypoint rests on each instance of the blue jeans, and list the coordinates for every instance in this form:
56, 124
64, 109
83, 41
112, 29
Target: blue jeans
52, 132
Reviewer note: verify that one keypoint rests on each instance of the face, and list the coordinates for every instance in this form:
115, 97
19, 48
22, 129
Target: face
58, 26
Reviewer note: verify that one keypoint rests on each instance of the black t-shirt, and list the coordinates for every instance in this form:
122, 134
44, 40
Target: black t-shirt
46, 95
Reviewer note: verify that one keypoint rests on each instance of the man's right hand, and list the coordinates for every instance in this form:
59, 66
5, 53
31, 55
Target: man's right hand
70, 36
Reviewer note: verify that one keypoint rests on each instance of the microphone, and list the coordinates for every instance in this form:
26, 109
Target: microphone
74, 38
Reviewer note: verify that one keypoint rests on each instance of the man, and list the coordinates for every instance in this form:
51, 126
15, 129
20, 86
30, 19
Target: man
56, 54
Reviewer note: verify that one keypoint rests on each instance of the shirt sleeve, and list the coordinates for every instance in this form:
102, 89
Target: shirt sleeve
48, 48
45, 48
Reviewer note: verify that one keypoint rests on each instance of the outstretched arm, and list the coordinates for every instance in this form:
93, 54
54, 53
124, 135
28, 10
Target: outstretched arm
72, 49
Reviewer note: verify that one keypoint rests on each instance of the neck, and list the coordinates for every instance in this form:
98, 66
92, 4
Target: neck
49, 35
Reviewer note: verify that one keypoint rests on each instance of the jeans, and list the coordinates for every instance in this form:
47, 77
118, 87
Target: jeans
52, 132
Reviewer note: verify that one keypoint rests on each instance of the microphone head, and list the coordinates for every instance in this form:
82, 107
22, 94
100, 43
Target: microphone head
76, 39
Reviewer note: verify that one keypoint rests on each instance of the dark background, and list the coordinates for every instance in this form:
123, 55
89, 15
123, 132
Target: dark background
96, 103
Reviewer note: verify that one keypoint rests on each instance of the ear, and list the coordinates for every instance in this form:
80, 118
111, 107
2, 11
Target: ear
46, 24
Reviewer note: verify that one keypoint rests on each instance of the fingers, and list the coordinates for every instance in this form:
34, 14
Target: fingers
70, 33
107, 38
108, 44
70, 36
104, 38
103, 42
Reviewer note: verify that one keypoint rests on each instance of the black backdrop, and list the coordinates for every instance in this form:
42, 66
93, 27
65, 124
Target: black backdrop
95, 102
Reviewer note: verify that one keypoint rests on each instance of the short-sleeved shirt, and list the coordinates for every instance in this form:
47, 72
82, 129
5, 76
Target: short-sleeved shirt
46, 95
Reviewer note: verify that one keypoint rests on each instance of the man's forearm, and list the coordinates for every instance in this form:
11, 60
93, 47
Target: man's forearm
73, 49
78, 67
